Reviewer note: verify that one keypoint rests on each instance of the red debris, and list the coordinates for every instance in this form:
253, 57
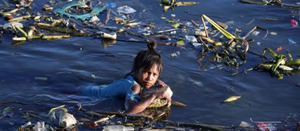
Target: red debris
262, 126
294, 23
93, 125
279, 48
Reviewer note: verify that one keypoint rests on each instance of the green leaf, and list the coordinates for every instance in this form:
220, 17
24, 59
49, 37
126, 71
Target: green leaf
59, 107
6, 110
219, 28
175, 26
180, 42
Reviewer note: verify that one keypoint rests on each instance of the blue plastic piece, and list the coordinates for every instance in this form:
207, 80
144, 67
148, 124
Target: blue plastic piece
291, 41
111, 5
62, 11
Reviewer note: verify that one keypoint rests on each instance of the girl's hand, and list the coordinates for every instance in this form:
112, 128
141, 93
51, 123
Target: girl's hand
167, 92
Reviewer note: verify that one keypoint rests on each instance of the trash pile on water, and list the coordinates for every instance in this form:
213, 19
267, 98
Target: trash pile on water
112, 22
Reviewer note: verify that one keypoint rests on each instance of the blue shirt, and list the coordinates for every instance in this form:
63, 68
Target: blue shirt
119, 88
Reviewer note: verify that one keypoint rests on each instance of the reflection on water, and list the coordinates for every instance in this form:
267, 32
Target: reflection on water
77, 62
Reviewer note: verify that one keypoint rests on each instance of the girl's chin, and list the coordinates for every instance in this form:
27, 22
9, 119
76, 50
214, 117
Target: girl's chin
147, 85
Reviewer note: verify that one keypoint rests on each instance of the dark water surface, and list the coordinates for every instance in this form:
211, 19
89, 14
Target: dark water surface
69, 63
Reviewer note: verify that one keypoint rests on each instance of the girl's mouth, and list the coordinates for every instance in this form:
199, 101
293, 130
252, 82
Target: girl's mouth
147, 83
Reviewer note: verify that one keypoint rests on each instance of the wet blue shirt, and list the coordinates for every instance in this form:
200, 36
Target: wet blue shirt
119, 88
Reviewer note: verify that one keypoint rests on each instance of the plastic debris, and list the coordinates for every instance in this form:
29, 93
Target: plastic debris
198, 32
279, 48
112, 36
7, 112
273, 33
258, 43
294, 23
245, 124
66, 120
191, 39
117, 128
188, 24
40, 126
111, 5
170, 4
94, 19
262, 126
232, 98
145, 31
180, 42
104, 119
47, 7
125, 10
132, 24
255, 33
197, 45
12, 25
175, 54
62, 11
176, 26
291, 41
173, 32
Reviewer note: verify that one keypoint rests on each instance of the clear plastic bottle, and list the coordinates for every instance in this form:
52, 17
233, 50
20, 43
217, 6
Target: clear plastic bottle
117, 128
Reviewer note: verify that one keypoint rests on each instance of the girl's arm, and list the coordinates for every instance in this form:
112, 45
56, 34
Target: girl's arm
133, 107
140, 106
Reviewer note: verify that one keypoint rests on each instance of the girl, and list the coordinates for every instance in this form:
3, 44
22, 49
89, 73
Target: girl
141, 86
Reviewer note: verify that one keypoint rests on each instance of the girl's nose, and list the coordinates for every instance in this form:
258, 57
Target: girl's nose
149, 77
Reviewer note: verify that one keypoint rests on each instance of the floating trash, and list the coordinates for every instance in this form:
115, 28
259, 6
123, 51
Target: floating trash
112, 36
245, 124
255, 33
279, 49
191, 39
262, 126
117, 128
258, 43
111, 5
12, 25
67, 120
175, 54
62, 11
291, 41
171, 4
39, 126
94, 19
180, 42
232, 99
273, 33
47, 7
188, 24
197, 45
278, 65
294, 23
125, 10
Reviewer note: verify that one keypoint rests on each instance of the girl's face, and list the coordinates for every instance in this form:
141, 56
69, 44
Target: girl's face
148, 77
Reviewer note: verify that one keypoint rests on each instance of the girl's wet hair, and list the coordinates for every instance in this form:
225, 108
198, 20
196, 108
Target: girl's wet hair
145, 59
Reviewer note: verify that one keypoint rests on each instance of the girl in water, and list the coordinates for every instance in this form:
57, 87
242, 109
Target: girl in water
141, 87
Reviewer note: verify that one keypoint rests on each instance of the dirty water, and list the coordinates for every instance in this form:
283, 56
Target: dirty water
35, 75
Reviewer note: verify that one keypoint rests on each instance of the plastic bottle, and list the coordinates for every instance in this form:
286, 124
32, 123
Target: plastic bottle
117, 128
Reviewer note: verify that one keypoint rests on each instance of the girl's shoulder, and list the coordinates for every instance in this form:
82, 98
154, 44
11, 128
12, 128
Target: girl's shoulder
128, 79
